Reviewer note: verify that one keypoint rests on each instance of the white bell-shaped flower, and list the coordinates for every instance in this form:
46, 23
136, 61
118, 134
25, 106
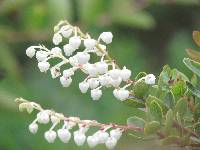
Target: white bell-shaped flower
102, 136
57, 38
66, 82
111, 143
56, 51
64, 135
96, 94
75, 42
116, 133
55, 72
83, 86
68, 49
125, 74
82, 57
105, 80
50, 136
114, 73
30, 52
116, 82
89, 43
43, 117
79, 138
93, 83
66, 31
150, 79
92, 141
43, 66
33, 128
102, 67
68, 73
41, 55
106, 37
73, 61
91, 70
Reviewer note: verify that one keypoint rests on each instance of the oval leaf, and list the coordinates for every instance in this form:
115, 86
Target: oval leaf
192, 65
193, 89
151, 127
156, 111
135, 121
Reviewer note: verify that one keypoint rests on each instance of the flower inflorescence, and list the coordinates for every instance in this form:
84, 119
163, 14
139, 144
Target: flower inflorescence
104, 73
107, 134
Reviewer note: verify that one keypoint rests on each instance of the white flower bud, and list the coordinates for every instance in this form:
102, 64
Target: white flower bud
75, 42
30, 52
66, 82
106, 37
111, 143
89, 43
79, 138
116, 133
56, 51
83, 86
68, 49
114, 73
43, 117
92, 70
82, 57
96, 94
50, 136
105, 80
150, 79
121, 94
116, 82
55, 72
73, 61
92, 141
43, 66
68, 73
33, 128
41, 55
125, 74
102, 136
54, 119
57, 38
102, 67
93, 83
66, 31
64, 135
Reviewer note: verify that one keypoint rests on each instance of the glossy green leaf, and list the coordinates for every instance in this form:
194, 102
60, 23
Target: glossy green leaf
134, 102
140, 75
196, 37
151, 127
178, 89
140, 90
156, 111
192, 65
136, 121
169, 100
181, 106
169, 121
193, 89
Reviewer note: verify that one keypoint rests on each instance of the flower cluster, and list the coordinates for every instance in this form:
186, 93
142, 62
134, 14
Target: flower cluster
103, 73
107, 134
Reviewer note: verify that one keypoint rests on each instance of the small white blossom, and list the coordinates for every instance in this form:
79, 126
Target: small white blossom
91, 70
116, 133
50, 136
92, 141
56, 51
116, 82
102, 136
30, 52
111, 143
54, 119
102, 67
75, 42
66, 31
79, 138
106, 37
82, 57
96, 94
55, 72
89, 43
68, 49
93, 83
64, 135
57, 38
125, 74
43, 117
66, 82
114, 73
41, 55
68, 73
83, 86
150, 79
73, 61
105, 80
33, 128
121, 94
43, 66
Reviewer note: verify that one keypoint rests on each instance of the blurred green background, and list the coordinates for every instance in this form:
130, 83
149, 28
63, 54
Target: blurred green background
147, 35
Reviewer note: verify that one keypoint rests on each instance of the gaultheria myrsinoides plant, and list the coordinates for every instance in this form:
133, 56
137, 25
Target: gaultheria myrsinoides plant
171, 104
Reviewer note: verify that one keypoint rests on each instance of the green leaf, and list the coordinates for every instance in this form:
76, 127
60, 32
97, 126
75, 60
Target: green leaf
195, 55
135, 121
156, 111
197, 128
140, 90
181, 107
151, 127
192, 65
169, 100
196, 113
169, 121
178, 89
196, 37
193, 89
140, 75
136, 103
